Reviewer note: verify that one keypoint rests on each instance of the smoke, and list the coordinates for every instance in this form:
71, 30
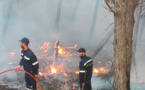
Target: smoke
36, 19
58, 13
6, 18
75, 10
94, 20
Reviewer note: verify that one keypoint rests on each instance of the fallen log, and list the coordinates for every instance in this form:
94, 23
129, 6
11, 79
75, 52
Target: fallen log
102, 42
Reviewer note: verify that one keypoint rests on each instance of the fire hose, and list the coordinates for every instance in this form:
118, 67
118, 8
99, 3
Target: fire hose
40, 88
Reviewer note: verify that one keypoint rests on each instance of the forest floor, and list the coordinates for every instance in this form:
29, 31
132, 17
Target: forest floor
5, 87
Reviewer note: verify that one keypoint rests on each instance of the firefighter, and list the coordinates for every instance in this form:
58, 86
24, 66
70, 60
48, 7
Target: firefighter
85, 66
29, 63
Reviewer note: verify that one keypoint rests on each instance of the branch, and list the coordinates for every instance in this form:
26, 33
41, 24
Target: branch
109, 7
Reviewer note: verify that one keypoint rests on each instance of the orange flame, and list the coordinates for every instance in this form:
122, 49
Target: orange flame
45, 47
53, 70
12, 54
60, 51
73, 47
40, 74
63, 52
95, 70
103, 70
77, 72
100, 70
65, 74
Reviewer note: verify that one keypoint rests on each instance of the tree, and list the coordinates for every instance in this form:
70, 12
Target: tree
58, 14
136, 25
123, 32
75, 11
142, 28
93, 25
7, 8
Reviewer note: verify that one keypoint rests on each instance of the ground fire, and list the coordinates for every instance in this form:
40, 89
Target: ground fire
63, 54
59, 64
53, 70
12, 54
100, 70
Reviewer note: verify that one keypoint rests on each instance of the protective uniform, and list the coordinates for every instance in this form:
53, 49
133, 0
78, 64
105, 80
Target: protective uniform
86, 66
30, 64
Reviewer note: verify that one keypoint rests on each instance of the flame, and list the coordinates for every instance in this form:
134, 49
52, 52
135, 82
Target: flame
65, 74
53, 70
60, 51
73, 47
63, 52
100, 70
77, 72
12, 54
103, 70
95, 70
40, 74
45, 47
10, 63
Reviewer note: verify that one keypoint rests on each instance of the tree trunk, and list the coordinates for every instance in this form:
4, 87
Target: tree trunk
94, 20
141, 30
75, 11
136, 25
124, 22
7, 14
58, 14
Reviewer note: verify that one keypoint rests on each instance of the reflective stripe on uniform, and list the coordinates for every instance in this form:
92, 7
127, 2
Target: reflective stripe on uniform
35, 63
26, 58
28, 89
82, 71
22, 54
88, 62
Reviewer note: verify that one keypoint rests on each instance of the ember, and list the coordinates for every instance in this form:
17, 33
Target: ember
10, 63
12, 54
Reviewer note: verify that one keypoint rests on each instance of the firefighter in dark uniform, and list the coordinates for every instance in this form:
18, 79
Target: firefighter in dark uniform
29, 63
85, 66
